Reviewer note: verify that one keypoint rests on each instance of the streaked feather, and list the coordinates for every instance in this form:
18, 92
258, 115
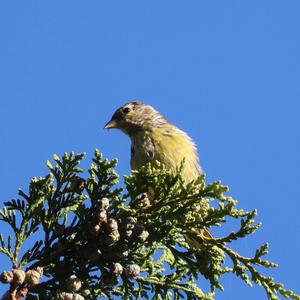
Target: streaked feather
168, 145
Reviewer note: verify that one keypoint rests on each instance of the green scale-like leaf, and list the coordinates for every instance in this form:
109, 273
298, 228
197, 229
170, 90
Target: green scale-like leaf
154, 228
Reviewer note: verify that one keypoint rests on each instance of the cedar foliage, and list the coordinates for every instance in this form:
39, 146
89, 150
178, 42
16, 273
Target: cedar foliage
95, 240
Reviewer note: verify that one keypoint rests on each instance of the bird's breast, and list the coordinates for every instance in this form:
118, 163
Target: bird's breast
142, 150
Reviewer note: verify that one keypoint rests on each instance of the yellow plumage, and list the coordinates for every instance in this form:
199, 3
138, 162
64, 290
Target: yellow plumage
166, 144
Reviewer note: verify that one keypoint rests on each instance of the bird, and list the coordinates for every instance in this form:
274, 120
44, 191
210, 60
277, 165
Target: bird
154, 138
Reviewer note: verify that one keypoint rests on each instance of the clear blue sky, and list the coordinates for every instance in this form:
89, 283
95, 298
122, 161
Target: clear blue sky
227, 72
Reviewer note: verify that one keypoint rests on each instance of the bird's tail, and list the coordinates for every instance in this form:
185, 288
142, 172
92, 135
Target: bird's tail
196, 238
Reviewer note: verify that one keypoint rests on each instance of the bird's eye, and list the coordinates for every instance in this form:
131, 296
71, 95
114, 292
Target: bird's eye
126, 110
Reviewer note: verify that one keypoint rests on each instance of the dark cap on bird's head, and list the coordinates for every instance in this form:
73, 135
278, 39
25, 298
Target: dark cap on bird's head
134, 116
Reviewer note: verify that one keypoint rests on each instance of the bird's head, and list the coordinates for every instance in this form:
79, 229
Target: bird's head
135, 116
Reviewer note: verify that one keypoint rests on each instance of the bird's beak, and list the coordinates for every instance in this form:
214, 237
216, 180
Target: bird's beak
111, 124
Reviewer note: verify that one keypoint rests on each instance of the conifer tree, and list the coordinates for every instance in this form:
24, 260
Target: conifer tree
93, 239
